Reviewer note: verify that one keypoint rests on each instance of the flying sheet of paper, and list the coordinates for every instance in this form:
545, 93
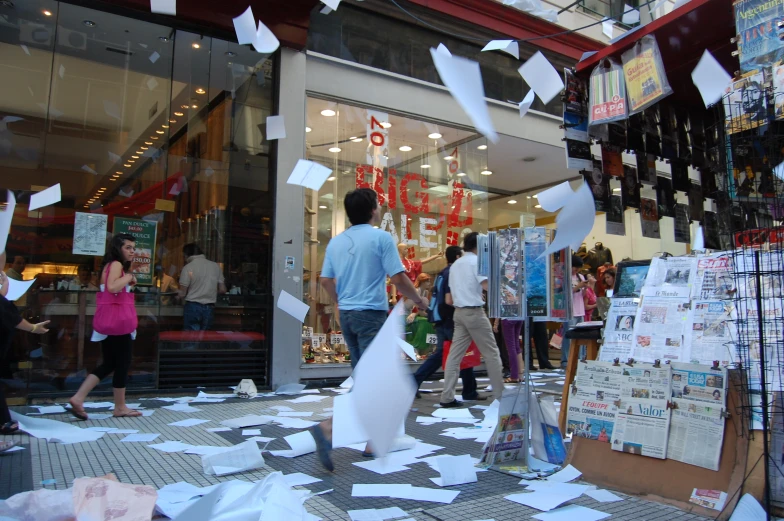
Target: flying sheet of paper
154, 57
603, 496
630, 16
542, 77
181, 407
164, 7
348, 383
276, 127
45, 197
443, 50
524, 105
381, 377
295, 414
171, 446
710, 78
407, 348
61, 72
607, 28
299, 479
290, 389
463, 78
572, 513
574, 222
190, 422
698, 243
508, 46
748, 509
308, 174
568, 473
112, 109
242, 457
265, 41
346, 427
151, 84
456, 470
245, 27
301, 443
292, 305
332, 4
293, 423
17, 288
140, 437
5, 219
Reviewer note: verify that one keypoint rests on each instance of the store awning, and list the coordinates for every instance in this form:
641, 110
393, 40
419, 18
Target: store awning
682, 36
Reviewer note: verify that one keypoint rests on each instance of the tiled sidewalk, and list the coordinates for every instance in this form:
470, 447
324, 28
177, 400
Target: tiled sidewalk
136, 463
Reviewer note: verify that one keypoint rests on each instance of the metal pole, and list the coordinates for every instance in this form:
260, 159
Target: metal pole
763, 401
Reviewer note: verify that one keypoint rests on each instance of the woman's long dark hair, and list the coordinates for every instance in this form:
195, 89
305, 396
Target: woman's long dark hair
115, 251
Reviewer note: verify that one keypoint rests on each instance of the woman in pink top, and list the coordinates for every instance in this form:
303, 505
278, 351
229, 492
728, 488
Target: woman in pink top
589, 297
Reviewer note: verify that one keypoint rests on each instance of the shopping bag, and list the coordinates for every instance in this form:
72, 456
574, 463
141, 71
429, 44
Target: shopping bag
115, 313
246, 389
508, 441
546, 438
556, 341
472, 358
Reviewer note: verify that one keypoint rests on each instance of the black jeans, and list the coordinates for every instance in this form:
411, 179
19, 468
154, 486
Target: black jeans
116, 359
433, 363
538, 332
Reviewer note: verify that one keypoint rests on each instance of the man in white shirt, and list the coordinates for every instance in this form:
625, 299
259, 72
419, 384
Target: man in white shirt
471, 323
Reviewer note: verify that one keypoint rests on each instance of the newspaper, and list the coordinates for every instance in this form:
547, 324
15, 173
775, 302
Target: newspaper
641, 427
618, 330
670, 277
592, 398
700, 383
696, 434
509, 439
660, 329
772, 336
709, 336
714, 278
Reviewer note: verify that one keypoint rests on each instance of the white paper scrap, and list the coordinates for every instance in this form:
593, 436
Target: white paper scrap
251, 432
526, 103
574, 222
151, 83
332, 4
190, 422
142, 437
276, 127
607, 28
181, 407
630, 16
603, 496
463, 78
305, 399
407, 348
164, 7
247, 421
54, 431
290, 389
301, 443
748, 509
453, 413
710, 78
265, 41
240, 458
205, 450
61, 72
698, 243
430, 494
112, 109
5, 219
171, 446
568, 473
456, 470
245, 27
443, 50
49, 409
572, 512
295, 414
542, 77
382, 490
154, 56
508, 46
299, 479
309, 174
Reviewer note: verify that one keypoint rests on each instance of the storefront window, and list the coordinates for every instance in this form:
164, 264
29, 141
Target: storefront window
148, 129
431, 181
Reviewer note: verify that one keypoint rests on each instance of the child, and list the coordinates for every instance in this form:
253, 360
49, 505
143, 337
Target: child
589, 297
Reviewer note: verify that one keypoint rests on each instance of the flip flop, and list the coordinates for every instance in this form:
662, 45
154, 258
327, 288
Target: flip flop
9, 428
78, 415
131, 414
7, 445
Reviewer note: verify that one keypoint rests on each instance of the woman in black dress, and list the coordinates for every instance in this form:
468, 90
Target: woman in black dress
10, 321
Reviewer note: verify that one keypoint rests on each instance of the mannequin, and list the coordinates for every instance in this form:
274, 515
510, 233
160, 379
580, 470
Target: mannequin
413, 267
598, 256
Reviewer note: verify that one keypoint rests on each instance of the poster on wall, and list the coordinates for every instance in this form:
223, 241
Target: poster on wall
612, 161
665, 197
145, 233
682, 228
646, 82
534, 271
576, 94
646, 168
510, 276
649, 219
755, 23
599, 183
778, 90
614, 217
578, 155
696, 202
558, 269
576, 127
711, 229
680, 175
745, 107
630, 187
90, 234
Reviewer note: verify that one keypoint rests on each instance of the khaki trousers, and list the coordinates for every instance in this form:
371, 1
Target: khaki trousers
472, 324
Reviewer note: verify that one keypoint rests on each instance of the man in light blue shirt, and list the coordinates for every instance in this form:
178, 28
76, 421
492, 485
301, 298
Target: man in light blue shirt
354, 274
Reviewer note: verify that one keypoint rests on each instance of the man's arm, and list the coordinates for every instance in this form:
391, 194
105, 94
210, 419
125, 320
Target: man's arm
221, 288
182, 291
433, 257
448, 300
484, 284
331, 287
405, 287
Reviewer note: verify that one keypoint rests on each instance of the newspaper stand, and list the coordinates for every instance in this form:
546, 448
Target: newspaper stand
589, 337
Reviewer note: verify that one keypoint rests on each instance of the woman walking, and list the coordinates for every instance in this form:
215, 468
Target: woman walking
512, 330
10, 321
114, 325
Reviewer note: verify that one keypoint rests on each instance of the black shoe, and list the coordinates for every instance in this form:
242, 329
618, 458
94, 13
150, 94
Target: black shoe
532, 368
476, 398
549, 367
323, 447
452, 404
418, 396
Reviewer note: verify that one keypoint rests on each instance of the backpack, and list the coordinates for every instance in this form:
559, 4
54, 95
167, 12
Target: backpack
246, 389
436, 299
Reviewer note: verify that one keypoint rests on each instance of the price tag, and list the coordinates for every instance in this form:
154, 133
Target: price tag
337, 339
432, 339
307, 332
322, 338
315, 341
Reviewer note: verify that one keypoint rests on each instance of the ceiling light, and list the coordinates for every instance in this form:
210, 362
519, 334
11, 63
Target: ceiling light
536, 196
139, 152
135, 157
172, 121
486, 172
537, 206
334, 150
461, 174
527, 196
115, 176
164, 126
119, 173
352, 138
482, 147
143, 148
200, 91
196, 45
328, 112
331, 178
434, 135
160, 132
112, 179
102, 189
47, 12
127, 166
386, 124
148, 142
323, 207
405, 148
179, 114
308, 129
616, 189
194, 106
131, 161
184, 107
164, 39
425, 167
153, 137
357, 140
511, 201
448, 158
230, 54
88, 23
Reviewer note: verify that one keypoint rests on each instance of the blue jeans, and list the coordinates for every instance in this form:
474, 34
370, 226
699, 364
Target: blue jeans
197, 317
433, 364
360, 327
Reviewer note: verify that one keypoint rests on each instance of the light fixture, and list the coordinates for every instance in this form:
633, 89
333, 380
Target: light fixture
537, 206
448, 158
511, 201
112, 179
357, 140
148, 142
536, 196
184, 107
425, 167
322, 207
172, 121
134, 157
194, 106
127, 165
405, 148
352, 138
88, 23
118, 173
230, 54
178, 114
200, 91
153, 137
47, 12
196, 45
139, 151
486, 172
527, 196
331, 178
434, 135
102, 189
482, 147
616, 189
308, 129
160, 132
131, 160
164, 39
334, 150
386, 124
461, 174
328, 112
115, 176
164, 126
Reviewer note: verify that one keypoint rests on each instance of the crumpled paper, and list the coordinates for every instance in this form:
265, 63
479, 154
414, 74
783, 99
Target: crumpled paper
40, 505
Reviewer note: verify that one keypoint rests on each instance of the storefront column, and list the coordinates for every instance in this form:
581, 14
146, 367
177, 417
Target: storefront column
289, 222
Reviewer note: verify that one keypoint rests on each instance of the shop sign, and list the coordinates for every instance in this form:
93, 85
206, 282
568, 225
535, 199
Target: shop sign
608, 94
760, 237
378, 138
145, 233
89, 233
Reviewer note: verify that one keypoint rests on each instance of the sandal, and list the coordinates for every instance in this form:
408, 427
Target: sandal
132, 413
9, 428
511, 381
7, 445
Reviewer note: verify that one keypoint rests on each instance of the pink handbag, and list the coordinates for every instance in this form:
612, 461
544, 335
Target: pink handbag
115, 313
